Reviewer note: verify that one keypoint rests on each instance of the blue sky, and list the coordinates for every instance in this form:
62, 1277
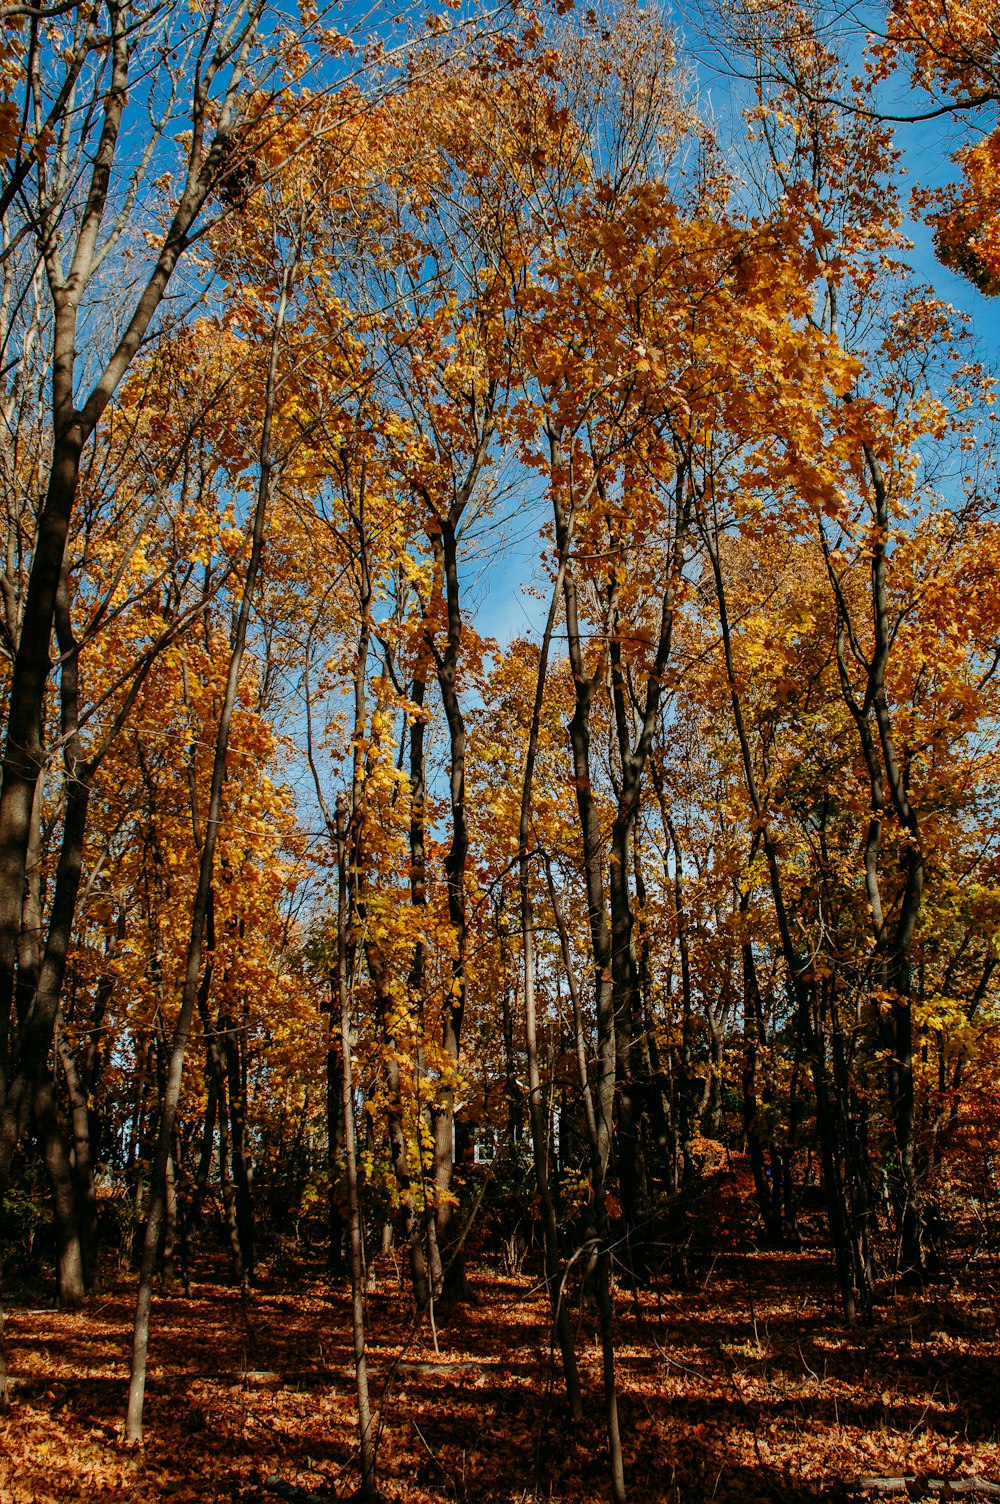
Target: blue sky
926, 147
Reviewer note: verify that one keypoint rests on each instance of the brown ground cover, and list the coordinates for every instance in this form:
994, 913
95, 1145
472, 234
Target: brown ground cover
742, 1386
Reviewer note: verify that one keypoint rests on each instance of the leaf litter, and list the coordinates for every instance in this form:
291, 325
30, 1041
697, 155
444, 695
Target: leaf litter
742, 1386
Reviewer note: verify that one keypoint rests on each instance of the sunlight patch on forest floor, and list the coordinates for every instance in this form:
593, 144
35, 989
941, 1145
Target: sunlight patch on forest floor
742, 1386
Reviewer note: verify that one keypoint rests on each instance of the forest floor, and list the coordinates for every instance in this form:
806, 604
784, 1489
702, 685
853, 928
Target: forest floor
742, 1386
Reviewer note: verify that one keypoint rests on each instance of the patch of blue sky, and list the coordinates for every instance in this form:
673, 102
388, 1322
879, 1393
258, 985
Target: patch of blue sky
926, 146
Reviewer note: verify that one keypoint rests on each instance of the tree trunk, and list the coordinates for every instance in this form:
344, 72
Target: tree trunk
443, 1112
168, 1110
83, 1168
600, 939
204, 1170
599, 1102
426, 1271
599, 1236
242, 1172
768, 1191
366, 1437
684, 1074
512, 1088
215, 1070
69, 1258
335, 1132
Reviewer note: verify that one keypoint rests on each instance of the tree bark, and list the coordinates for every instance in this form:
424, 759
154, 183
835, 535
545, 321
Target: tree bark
83, 1168
235, 1056
218, 1106
335, 1131
443, 1112
429, 1276
69, 1257
366, 1437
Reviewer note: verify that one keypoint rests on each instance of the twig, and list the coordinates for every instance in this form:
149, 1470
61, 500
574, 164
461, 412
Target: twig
923, 1412
812, 1371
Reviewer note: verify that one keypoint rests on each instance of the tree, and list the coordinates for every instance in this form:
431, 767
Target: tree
78, 213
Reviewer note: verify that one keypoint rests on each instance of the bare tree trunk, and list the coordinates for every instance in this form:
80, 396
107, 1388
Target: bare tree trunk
234, 1057
169, 1221
601, 1233
69, 1258
768, 1192
418, 898
430, 1280
204, 1169
684, 1076
443, 1113
83, 1168
4, 1395
335, 1131
368, 1489
215, 1069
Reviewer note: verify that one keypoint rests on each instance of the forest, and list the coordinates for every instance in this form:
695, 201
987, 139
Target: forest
500, 807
